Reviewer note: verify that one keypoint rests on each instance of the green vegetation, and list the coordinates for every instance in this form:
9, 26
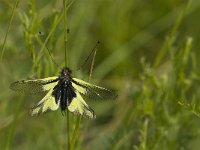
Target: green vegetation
149, 53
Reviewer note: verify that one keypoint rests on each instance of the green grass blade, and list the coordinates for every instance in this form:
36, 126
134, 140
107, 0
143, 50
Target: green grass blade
170, 39
8, 29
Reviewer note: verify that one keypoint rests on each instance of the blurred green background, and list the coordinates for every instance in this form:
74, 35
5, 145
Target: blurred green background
148, 53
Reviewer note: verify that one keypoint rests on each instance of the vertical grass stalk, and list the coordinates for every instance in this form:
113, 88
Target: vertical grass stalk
65, 31
8, 29
75, 133
170, 39
66, 64
144, 134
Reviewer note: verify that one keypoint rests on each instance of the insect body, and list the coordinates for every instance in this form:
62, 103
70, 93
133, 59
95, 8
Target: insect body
64, 92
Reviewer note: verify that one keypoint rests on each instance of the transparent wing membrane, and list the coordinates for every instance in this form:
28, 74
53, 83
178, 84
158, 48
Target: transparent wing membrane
51, 100
92, 91
34, 86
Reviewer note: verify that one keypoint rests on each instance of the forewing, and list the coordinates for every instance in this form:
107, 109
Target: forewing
79, 106
92, 91
34, 86
46, 104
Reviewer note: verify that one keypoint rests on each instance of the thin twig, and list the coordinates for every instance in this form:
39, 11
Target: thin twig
65, 31
66, 63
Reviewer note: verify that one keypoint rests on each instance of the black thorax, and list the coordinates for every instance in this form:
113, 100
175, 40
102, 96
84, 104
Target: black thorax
64, 92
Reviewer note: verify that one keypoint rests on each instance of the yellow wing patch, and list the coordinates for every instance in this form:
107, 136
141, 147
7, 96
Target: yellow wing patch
80, 89
46, 104
50, 85
79, 106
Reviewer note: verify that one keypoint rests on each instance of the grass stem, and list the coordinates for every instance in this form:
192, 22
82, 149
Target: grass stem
66, 64
8, 29
65, 31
